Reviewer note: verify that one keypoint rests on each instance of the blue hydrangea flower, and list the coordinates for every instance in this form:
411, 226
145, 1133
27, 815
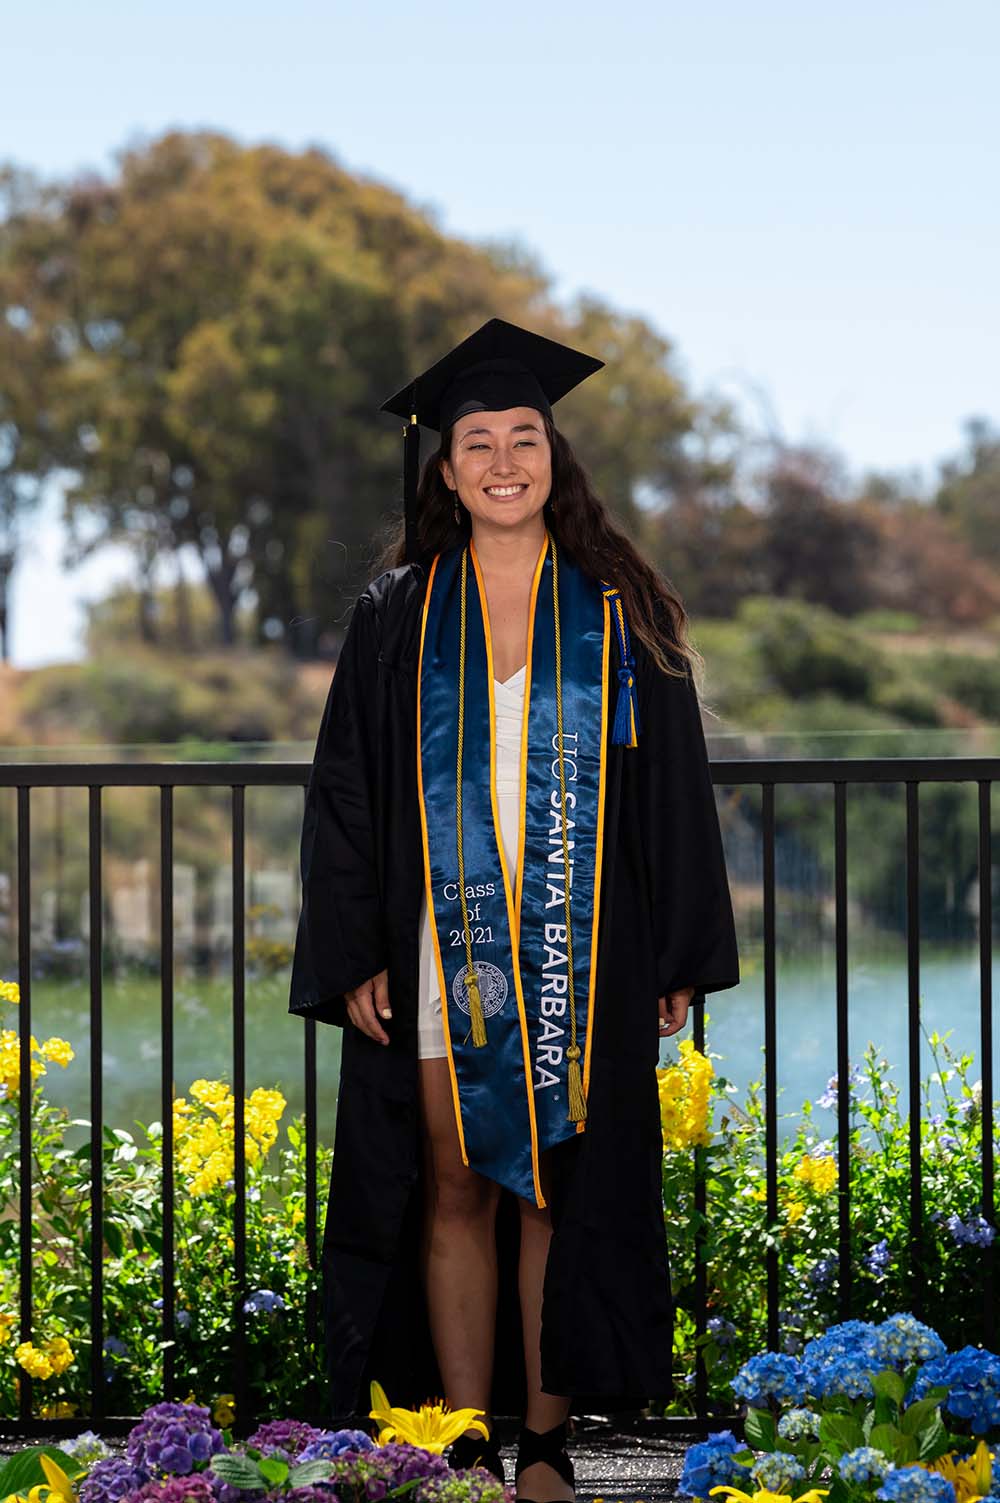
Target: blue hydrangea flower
823, 1272
877, 1260
915, 1484
974, 1231
777, 1472
723, 1331
863, 1466
842, 1360
87, 1447
798, 1424
903, 1339
263, 1299
972, 1377
334, 1443
711, 1463
770, 1374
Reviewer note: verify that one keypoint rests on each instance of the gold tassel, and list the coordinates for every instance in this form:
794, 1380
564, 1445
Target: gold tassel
577, 1101
475, 1009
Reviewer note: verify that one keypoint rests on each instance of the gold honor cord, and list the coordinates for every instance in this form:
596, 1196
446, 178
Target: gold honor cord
471, 977
577, 1101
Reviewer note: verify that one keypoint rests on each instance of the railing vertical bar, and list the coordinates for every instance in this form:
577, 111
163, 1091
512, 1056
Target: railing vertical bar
25, 1083
96, 893
770, 1060
312, 1313
240, 1386
844, 1280
701, 1248
167, 1324
916, 1233
986, 1054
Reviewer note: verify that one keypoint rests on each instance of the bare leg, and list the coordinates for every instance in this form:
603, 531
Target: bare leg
544, 1409
458, 1250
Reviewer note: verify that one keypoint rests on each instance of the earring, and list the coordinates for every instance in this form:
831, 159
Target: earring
458, 515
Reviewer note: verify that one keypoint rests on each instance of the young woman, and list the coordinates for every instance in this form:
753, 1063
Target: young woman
513, 887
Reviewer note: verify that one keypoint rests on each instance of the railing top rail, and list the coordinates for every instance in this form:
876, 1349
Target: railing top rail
725, 771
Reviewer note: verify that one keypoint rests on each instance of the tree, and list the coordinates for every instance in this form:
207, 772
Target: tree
231, 319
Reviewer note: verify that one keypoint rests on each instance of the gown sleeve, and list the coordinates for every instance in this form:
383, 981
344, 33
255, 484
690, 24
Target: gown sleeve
690, 904
339, 941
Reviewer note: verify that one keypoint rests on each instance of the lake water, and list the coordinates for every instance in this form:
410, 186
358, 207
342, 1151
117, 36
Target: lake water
806, 1053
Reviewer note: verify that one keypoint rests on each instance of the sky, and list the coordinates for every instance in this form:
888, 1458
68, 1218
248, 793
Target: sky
801, 197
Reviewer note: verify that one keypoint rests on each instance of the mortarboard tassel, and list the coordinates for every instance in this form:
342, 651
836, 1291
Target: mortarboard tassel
625, 729
411, 474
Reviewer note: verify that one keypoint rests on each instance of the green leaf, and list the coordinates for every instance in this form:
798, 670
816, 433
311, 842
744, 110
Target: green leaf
888, 1439
24, 1470
889, 1384
308, 1472
273, 1468
240, 1471
916, 1416
935, 1440
113, 1237
294, 1136
839, 1433
759, 1431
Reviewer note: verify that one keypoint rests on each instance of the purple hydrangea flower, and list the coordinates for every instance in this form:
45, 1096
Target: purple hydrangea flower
721, 1330
109, 1480
196, 1489
172, 1439
284, 1438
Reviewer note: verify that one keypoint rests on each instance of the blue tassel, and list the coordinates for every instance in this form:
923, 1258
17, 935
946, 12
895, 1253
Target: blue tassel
626, 727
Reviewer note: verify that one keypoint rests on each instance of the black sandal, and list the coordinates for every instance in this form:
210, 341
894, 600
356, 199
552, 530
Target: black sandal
473, 1450
544, 1445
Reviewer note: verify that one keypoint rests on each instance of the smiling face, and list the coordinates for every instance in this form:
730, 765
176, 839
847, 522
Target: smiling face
501, 464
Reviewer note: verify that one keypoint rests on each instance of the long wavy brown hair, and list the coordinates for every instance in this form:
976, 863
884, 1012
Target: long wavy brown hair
580, 522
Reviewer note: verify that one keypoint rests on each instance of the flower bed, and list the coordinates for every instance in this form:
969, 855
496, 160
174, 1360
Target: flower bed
866, 1411
177, 1454
705, 1128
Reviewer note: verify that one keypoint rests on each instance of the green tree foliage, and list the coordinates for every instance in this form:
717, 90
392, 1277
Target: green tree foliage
231, 318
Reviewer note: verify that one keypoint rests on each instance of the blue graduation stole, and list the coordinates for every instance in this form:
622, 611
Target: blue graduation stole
516, 965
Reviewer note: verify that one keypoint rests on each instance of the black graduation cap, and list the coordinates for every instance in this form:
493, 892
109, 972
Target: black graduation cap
500, 365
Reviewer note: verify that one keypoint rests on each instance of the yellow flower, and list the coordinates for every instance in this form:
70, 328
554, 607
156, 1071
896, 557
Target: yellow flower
685, 1090
224, 1409
971, 1476
820, 1174
7, 1323
34, 1362
58, 1051
60, 1353
63, 1410
795, 1210
10, 992
432, 1426
764, 1496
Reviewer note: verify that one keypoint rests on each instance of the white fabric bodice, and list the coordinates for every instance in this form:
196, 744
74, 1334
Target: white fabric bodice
508, 700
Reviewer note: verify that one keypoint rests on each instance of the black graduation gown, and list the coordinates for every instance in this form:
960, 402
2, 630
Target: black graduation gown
666, 922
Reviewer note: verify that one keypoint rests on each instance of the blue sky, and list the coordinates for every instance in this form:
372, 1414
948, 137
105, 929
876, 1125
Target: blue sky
802, 197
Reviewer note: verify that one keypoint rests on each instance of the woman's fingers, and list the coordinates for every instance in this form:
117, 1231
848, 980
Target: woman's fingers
361, 1005
674, 1011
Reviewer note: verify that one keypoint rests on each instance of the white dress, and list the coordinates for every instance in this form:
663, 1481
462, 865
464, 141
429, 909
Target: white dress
509, 706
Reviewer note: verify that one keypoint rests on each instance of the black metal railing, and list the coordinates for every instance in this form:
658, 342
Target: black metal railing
237, 777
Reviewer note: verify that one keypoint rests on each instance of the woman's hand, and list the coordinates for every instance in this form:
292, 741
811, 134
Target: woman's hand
369, 1002
674, 1011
